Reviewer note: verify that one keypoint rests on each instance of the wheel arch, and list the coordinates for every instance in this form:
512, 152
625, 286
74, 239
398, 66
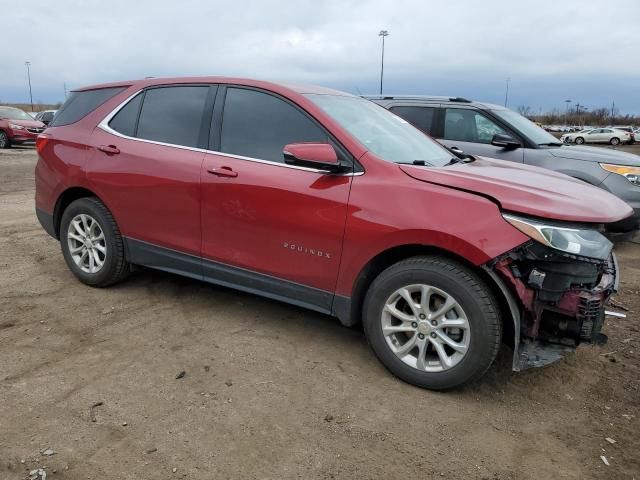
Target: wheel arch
64, 200
349, 310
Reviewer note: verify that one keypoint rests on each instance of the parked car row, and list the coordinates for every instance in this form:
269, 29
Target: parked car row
612, 136
328, 201
562, 128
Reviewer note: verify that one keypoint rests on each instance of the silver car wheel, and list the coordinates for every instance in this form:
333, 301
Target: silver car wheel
87, 243
426, 328
3, 140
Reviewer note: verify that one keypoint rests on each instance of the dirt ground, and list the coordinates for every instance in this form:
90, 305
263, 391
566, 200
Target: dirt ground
271, 390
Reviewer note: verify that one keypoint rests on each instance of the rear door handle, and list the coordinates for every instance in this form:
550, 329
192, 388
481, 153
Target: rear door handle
223, 172
109, 149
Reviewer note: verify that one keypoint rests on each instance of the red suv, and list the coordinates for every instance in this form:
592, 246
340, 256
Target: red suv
17, 127
328, 201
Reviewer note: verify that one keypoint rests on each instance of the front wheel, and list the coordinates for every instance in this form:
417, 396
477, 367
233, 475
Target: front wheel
91, 243
4, 140
432, 322
579, 140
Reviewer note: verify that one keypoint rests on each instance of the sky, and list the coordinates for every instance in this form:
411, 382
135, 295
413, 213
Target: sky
585, 51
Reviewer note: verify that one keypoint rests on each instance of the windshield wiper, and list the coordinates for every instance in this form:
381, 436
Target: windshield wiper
422, 163
454, 160
551, 144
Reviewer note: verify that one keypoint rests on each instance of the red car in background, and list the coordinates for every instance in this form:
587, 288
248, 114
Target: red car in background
17, 127
328, 201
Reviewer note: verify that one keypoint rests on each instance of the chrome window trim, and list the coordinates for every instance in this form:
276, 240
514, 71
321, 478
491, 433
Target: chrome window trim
104, 125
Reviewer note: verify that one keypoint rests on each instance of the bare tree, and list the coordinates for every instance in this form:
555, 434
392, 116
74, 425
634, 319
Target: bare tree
524, 110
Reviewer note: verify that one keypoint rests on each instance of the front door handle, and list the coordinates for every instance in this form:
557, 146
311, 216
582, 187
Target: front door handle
223, 172
109, 149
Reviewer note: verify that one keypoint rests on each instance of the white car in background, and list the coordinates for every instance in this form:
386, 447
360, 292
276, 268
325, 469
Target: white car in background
612, 136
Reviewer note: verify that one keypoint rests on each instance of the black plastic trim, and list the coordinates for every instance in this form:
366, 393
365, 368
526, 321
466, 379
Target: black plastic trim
161, 258
342, 309
46, 220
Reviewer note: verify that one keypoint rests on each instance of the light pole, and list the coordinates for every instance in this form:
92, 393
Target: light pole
28, 64
383, 33
506, 93
580, 109
566, 115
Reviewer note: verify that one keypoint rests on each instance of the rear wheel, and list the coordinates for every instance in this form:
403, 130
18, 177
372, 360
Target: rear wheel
4, 140
432, 322
91, 243
579, 140
614, 141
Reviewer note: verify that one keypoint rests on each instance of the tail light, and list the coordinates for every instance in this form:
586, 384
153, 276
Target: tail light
41, 142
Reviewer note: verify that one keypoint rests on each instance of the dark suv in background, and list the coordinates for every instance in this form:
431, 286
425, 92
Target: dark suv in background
497, 132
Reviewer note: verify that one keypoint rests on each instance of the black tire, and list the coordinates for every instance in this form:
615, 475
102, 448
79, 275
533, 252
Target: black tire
115, 267
471, 293
614, 141
4, 140
579, 140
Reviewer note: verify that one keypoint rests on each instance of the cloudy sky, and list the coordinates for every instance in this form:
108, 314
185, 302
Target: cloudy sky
587, 51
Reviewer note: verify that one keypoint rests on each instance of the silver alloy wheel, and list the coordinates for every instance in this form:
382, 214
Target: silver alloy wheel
426, 328
3, 140
87, 244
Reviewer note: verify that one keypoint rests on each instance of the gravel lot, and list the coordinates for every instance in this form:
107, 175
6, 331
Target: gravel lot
271, 390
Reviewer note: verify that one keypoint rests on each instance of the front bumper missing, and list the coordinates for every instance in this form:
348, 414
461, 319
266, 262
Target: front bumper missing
560, 301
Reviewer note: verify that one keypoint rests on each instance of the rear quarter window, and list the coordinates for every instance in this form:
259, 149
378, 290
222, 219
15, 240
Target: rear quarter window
126, 119
80, 104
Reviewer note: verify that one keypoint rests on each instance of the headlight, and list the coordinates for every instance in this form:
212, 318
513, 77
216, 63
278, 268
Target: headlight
13, 126
577, 241
630, 173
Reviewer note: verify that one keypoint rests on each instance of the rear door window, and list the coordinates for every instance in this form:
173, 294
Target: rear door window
419, 117
80, 104
173, 114
467, 125
259, 125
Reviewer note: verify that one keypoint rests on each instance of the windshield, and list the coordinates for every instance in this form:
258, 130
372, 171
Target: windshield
526, 127
11, 113
386, 135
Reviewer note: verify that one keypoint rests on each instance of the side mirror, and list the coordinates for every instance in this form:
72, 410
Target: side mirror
321, 156
505, 141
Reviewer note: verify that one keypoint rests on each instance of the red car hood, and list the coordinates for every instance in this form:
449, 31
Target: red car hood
27, 123
528, 190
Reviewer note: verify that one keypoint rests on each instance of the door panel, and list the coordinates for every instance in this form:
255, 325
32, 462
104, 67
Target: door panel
146, 168
152, 190
274, 219
595, 136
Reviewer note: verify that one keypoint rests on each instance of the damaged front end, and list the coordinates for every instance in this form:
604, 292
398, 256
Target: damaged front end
560, 298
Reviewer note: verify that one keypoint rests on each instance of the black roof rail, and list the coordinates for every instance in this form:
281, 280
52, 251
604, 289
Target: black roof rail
417, 97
